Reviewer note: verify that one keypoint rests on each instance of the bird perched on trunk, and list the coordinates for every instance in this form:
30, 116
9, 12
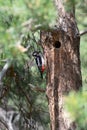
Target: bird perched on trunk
39, 61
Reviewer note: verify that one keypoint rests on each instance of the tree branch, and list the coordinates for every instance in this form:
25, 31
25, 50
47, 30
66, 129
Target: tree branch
5, 68
83, 32
4, 123
38, 89
22, 48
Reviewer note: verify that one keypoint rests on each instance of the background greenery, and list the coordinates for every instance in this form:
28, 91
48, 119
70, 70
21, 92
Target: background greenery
20, 21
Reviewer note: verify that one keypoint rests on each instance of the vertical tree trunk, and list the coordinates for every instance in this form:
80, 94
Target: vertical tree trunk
61, 48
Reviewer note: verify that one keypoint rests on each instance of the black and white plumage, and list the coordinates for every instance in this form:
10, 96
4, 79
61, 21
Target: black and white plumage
39, 61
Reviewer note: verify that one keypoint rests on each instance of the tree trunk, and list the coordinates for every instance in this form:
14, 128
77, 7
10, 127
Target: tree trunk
61, 48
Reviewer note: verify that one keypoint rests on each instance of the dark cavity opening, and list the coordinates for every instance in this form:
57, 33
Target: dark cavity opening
57, 44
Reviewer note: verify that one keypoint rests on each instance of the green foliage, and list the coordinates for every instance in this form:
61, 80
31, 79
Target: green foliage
14, 16
81, 12
19, 20
83, 53
76, 104
69, 5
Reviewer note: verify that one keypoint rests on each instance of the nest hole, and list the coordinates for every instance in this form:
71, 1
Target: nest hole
57, 44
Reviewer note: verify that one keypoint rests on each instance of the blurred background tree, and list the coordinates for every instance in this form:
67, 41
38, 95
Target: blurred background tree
76, 104
20, 24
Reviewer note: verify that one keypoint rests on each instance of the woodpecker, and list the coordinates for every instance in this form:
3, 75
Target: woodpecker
39, 61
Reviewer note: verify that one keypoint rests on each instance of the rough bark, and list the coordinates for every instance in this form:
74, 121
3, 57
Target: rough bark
61, 49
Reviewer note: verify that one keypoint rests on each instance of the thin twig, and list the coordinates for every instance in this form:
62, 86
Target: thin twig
36, 88
34, 39
4, 123
83, 32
